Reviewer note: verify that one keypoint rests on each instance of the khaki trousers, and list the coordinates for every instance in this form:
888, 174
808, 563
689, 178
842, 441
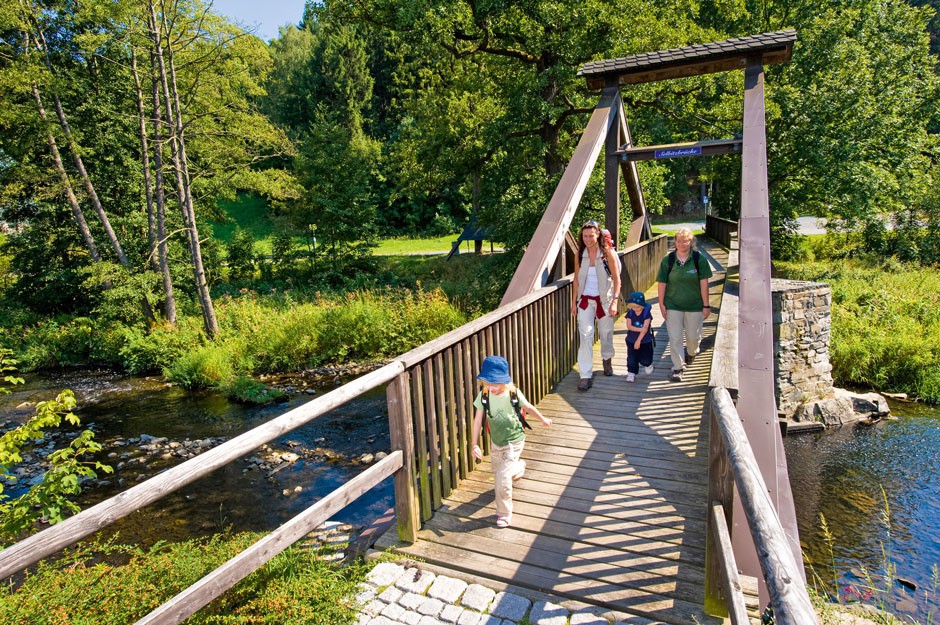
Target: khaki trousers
506, 464
685, 334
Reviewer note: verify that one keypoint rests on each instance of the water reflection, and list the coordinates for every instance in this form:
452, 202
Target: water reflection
119, 407
840, 474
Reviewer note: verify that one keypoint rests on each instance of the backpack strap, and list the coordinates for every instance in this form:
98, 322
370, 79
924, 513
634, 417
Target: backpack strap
513, 399
672, 261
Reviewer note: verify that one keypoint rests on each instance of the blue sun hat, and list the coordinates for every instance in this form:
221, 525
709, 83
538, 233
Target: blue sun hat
495, 370
637, 298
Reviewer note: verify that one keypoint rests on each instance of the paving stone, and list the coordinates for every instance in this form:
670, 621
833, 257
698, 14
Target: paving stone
385, 573
469, 617
363, 619
374, 607
365, 595
393, 611
489, 619
447, 589
410, 617
411, 600
381, 620
431, 607
391, 595
429, 620
547, 613
509, 606
477, 597
450, 613
588, 617
415, 580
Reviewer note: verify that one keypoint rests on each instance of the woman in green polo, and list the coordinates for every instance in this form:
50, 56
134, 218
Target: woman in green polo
683, 299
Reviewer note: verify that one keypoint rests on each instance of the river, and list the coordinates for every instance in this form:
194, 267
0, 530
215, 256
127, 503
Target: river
878, 489
239, 496
839, 474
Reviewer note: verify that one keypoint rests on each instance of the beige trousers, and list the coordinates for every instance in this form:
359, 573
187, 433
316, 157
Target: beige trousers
685, 333
506, 464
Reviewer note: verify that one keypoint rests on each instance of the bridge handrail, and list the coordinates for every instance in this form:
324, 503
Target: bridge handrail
720, 229
36, 547
430, 393
788, 595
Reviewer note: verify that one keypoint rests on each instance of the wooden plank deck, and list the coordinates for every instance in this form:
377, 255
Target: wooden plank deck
612, 509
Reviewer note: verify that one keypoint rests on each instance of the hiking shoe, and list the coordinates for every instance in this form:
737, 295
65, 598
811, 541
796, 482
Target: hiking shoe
690, 357
631, 377
585, 384
648, 370
676, 375
608, 368
504, 521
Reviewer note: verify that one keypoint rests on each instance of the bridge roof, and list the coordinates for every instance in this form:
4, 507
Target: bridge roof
703, 58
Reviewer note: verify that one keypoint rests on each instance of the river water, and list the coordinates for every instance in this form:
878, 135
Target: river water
119, 408
838, 474
878, 489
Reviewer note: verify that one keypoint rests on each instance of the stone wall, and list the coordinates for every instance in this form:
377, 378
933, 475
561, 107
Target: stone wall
802, 318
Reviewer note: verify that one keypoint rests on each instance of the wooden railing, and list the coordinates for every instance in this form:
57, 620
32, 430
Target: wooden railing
640, 265
721, 230
430, 405
732, 462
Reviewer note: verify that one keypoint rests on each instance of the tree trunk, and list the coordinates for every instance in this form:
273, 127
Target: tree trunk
178, 154
66, 184
156, 224
86, 180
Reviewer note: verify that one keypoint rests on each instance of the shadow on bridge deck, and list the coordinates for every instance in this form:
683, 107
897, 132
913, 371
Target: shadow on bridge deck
612, 509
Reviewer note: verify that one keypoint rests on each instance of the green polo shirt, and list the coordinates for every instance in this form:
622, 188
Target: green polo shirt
683, 290
505, 426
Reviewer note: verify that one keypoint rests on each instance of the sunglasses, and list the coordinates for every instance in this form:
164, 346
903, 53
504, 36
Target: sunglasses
590, 224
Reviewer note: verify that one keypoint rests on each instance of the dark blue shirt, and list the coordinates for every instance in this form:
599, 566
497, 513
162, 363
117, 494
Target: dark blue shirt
635, 325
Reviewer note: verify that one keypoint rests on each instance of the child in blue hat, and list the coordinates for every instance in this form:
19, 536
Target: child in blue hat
640, 341
505, 408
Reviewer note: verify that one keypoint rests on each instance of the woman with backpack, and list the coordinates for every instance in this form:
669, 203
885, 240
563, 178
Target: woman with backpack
596, 291
683, 299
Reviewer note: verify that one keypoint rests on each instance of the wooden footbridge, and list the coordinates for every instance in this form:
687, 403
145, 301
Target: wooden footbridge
652, 498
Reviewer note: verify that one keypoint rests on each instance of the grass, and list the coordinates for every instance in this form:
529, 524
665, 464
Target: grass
295, 588
885, 323
248, 212
403, 246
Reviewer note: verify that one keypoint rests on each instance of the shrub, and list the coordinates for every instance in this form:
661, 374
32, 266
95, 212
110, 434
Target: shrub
885, 323
207, 367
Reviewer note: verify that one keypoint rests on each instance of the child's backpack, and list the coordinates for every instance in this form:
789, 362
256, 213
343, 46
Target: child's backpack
513, 399
672, 261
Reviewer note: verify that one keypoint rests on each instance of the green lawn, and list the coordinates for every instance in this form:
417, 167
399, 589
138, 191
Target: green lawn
401, 246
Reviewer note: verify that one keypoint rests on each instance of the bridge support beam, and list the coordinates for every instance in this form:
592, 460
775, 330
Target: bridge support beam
756, 404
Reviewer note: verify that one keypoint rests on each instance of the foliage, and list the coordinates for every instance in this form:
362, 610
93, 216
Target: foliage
294, 588
885, 323
241, 256
48, 499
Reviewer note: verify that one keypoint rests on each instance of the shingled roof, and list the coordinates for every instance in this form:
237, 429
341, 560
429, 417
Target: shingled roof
703, 58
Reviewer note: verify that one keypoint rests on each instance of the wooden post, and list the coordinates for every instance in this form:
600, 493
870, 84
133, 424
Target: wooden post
401, 434
640, 227
720, 491
781, 572
756, 405
612, 170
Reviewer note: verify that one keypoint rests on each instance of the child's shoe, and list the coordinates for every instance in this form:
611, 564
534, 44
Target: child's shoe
631, 377
504, 521
648, 370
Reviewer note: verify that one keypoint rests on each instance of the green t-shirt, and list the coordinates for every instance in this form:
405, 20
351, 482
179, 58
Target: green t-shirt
505, 426
683, 291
